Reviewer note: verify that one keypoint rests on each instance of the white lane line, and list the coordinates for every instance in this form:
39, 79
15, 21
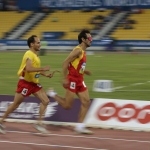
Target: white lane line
119, 87
79, 136
50, 145
134, 84
126, 140
134, 90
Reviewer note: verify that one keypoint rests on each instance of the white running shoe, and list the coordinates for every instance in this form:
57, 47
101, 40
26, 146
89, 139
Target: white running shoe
2, 128
51, 93
83, 131
40, 128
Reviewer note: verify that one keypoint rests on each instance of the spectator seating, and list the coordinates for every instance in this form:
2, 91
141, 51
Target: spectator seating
10, 19
61, 21
140, 31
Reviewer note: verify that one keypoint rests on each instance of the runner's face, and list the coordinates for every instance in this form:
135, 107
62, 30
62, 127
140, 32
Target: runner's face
37, 44
88, 41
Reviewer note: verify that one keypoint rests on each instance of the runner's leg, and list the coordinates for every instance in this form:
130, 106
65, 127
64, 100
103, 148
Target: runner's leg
17, 101
66, 102
85, 103
41, 95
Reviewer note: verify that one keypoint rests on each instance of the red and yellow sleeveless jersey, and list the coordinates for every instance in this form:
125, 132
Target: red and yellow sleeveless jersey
30, 76
76, 68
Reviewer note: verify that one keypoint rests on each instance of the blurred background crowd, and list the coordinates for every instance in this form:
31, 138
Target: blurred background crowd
107, 24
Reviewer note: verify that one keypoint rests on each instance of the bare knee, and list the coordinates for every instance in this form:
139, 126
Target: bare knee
45, 103
86, 103
67, 106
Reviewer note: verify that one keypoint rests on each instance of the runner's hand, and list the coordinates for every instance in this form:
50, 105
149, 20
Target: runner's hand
46, 68
87, 72
51, 74
65, 82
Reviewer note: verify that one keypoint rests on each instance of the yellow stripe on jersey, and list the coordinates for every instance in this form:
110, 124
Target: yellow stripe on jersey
77, 60
30, 76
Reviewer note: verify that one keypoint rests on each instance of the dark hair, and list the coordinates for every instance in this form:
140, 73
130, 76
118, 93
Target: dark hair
82, 34
31, 40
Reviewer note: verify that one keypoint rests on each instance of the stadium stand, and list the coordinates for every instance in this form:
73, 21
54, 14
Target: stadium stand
140, 30
10, 20
60, 21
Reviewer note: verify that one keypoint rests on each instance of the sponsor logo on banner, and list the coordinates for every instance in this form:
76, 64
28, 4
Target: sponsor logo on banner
28, 110
122, 113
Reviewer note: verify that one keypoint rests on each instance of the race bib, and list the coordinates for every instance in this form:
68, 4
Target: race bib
82, 68
37, 75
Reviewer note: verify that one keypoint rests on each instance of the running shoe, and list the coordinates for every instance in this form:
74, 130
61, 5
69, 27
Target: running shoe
2, 129
83, 131
40, 128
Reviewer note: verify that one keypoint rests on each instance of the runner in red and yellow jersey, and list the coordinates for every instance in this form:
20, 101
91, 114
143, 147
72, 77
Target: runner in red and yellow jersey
29, 73
73, 72
76, 70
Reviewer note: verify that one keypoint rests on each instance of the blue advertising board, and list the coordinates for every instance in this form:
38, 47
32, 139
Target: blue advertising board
93, 3
52, 35
95, 43
78, 4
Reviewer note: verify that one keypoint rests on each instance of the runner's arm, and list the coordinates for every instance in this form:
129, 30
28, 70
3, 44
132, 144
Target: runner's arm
30, 68
50, 75
87, 72
72, 56
43, 73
